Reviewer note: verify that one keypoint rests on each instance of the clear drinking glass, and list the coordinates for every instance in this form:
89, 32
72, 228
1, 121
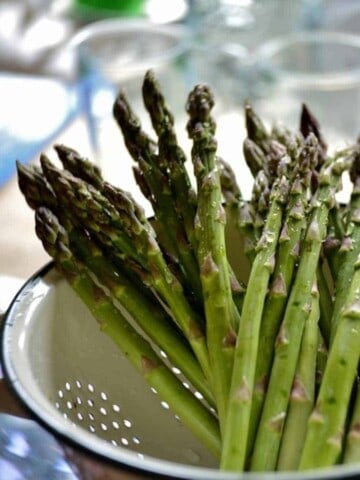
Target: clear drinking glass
113, 55
321, 69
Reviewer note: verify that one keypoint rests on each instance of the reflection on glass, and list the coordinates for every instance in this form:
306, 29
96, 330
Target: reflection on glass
28, 452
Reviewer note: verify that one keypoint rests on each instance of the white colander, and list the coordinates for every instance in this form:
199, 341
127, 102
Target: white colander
78, 383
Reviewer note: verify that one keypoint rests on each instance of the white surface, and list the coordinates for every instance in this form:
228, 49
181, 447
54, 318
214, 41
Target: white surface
8, 288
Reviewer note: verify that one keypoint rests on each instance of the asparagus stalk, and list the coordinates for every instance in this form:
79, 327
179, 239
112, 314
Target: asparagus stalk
79, 166
259, 202
191, 412
235, 445
143, 151
352, 445
171, 161
237, 215
236, 207
256, 130
148, 314
350, 247
34, 186
325, 433
254, 156
309, 124
326, 303
210, 230
132, 236
292, 141
87, 205
321, 359
287, 258
172, 158
289, 339
302, 395
277, 152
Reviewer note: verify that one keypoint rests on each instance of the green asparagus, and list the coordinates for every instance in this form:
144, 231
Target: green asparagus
137, 350
274, 361
234, 452
210, 230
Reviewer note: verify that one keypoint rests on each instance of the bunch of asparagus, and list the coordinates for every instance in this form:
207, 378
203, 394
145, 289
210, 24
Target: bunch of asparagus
272, 364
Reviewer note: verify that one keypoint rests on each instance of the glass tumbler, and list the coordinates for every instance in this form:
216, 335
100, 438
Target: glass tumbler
115, 54
320, 69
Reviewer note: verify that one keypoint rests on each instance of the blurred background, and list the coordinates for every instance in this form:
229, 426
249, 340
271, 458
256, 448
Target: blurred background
63, 61
46, 64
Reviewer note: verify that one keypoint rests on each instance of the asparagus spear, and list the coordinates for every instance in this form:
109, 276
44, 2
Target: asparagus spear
325, 433
236, 207
132, 237
35, 188
143, 151
321, 359
148, 314
172, 162
171, 156
85, 170
277, 152
164, 181
79, 166
259, 202
289, 339
352, 445
234, 453
87, 205
326, 302
256, 130
210, 231
302, 395
287, 258
237, 217
292, 141
309, 124
254, 156
191, 412
350, 247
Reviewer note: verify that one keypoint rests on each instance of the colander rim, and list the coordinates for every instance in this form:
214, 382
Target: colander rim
121, 457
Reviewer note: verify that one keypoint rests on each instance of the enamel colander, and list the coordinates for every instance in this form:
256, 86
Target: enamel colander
80, 386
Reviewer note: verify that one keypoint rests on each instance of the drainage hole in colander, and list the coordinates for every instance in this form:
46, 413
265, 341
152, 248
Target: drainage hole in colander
90, 413
182, 378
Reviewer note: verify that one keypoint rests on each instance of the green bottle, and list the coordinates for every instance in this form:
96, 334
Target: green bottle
110, 7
